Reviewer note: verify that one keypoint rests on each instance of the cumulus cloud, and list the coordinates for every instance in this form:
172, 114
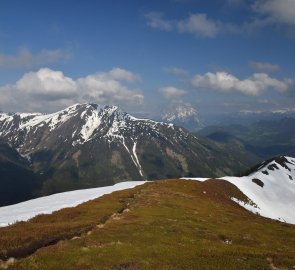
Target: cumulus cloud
198, 24
264, 66
119, 74
46, 83
254, 85
24, 58
107, 87
36, 90
156, 20
278, 13
262, 13
171, 92
282, 11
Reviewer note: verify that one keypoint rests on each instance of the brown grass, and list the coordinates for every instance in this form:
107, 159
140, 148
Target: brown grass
24, 238
171, 224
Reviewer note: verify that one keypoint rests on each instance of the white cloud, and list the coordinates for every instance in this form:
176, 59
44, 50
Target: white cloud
276, 13
47, 83
254, 85
156, 20
171, 92
262, 13
199, 25
120, 74
26, 59
282, 11
37, 90
106, 87
264, 66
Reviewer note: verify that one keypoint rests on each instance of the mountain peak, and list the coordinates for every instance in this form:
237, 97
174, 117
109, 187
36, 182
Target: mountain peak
86, 145
75, 124
276, 163
183, 114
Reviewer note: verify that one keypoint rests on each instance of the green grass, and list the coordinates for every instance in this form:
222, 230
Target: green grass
173, 224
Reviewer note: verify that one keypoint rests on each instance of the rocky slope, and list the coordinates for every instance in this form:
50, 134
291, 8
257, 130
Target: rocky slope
86, 146
17, 180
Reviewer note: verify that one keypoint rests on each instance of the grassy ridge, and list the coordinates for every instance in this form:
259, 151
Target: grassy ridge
161, 225
23, 238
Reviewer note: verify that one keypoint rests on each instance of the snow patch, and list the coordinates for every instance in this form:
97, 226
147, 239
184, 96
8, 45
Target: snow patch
136, 158
92, 123
46, 205
276, 199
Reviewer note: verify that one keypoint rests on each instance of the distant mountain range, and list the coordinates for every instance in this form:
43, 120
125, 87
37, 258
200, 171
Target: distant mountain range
245, 117
264, 138
86, 146
183, 114
187, 116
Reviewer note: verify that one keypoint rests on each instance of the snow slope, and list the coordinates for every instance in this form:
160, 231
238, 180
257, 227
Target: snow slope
271, 187
46, 205
275, 196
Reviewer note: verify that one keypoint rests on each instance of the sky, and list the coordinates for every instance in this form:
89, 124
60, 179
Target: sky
145, 56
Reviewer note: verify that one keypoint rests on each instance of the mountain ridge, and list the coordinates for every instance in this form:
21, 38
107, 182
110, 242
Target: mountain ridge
270, 187
264, 138
86, 145
198, 220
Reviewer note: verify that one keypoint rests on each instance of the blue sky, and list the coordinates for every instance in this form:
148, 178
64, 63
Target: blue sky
219, 56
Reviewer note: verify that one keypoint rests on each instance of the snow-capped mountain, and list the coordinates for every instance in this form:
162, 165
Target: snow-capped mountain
183, 114
82, 123
75, 125
270, 187
86, 146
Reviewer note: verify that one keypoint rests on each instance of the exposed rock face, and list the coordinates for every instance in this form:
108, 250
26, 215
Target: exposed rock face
86, 145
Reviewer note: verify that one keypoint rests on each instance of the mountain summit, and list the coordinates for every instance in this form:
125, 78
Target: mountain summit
86, 145
183, 114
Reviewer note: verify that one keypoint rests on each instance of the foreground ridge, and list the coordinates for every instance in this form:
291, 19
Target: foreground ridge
270, 187
190, 225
